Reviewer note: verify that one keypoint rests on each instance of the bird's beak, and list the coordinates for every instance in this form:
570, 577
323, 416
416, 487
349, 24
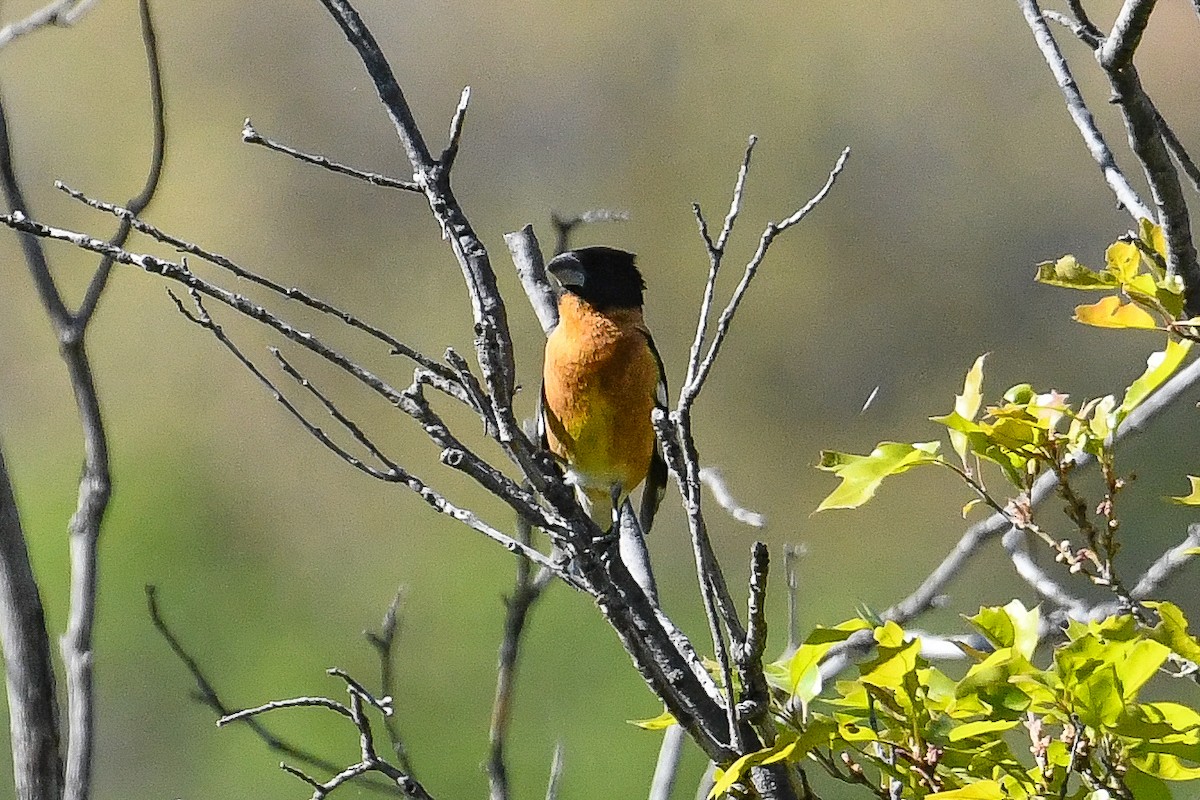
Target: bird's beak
566, 268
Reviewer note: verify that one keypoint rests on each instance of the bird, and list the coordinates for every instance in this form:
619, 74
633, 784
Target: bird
602, 378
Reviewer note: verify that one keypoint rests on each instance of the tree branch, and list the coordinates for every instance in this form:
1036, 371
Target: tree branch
28, 672
1081, 114
252, 136
62, 13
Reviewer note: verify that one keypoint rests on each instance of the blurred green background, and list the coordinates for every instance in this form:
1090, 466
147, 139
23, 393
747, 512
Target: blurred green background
271, 556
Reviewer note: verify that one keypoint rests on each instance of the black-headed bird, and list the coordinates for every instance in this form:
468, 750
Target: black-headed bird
601, 379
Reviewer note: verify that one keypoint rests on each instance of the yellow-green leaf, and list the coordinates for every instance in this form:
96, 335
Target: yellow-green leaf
662, 721
981, 727
1192, 498
861, 475
966, 405
1159, 367
1171, 630
1162, 765
1123, 260
1152, 235
980, 790
1070, 274
1111, 312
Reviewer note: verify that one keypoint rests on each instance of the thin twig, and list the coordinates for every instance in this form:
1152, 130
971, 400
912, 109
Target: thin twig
251, 136
692, 388
1167, 564
207, 694
715, 481
290, 292
384, 643
141, 201
1081, 114
556, 771
62, 13
565, 224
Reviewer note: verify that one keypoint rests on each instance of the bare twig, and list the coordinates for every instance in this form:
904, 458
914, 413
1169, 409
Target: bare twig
384, 643
556, 771
666, 768
62, 13
1167, 564
527, 590
207, 694
699, 374
527, 257
1080, 112
251, 136
715, 481
95, 484
565, 225
290, 292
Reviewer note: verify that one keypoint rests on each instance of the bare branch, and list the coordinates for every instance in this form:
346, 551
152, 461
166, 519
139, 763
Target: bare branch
715, 481
274, 705
700, 375
1178, 152
28, 672
456, 129
251, 136
205, 321
1117, 50
141, 201
527, 590
1047, 588
1141, 121
666, 769
62, 13
556, 771
716, 252
95, 483
384, 643
565, 225
289, 292
207, 694
1081, 114
527, 257
491, 320
1168, 564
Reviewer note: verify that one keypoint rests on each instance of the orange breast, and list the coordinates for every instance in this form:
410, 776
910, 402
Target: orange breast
599, 379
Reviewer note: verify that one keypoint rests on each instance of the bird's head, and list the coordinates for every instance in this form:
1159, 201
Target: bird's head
601, 276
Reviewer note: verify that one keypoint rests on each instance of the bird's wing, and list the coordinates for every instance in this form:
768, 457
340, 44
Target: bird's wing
656, 478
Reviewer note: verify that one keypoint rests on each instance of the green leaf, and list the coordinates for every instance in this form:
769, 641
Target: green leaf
1111, 312
1171, 630
661, 722
861, 475
1192, 498
1070, 274
1159, 367
1146, 787
982, 727
966, 405
1140, 662
728, 777
1123, 260
1162, 765
1011, 626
